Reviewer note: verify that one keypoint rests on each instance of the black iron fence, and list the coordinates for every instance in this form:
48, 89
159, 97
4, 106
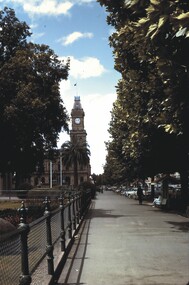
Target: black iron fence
44, 243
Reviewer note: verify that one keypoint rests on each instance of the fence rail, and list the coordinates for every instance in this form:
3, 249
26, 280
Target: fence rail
23, 250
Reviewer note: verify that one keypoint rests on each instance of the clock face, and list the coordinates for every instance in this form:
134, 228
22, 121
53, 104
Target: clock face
77, 120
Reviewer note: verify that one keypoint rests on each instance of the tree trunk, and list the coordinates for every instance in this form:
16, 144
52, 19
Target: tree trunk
152, 187
184, 189
18, 180
184, 167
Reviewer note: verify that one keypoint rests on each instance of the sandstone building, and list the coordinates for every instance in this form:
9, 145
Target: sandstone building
55, 173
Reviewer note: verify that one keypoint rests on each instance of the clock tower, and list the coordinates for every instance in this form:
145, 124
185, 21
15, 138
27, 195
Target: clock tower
78, 132
79, 135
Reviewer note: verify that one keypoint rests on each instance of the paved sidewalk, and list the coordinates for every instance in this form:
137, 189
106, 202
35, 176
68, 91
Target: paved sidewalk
123, 243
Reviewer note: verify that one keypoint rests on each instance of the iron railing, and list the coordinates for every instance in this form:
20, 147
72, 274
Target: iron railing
45, 241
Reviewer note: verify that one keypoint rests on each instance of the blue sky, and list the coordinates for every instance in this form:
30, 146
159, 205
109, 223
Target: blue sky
78, 29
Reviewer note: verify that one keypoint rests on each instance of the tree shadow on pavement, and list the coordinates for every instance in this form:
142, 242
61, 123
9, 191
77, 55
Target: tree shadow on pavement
71, 275
100, 213
181, 226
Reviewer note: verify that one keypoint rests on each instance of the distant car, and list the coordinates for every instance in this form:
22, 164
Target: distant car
131, 193
123, 192
118, 190
156, 193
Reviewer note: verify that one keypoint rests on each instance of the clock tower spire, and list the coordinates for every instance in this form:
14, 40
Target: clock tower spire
78, 132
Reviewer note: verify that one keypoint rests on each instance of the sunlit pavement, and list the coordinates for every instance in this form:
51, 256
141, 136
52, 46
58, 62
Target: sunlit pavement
123, 243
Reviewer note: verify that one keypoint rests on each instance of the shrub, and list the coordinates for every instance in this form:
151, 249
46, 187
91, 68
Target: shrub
23, 192
88, 185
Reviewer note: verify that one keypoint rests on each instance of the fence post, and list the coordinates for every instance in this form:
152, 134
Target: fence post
77, 208
49, 246
62, 233
25, 278
89, 198
74, 214
69, 216
81, 204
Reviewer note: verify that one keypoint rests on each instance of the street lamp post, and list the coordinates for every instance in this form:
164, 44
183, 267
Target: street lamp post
60, 168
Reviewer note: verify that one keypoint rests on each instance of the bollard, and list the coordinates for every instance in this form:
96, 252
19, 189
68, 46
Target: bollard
49, 246
62, 232
25, 278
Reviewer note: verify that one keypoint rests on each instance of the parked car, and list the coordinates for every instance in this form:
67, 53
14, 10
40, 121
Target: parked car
131, 193
118, 190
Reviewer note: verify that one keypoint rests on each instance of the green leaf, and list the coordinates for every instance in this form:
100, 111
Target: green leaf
182, 16
130, 4
151, 29
155, 2
181, 32
187, 34
142, 21
162, 21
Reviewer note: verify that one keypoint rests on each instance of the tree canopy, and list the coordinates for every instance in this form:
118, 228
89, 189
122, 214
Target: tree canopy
31, 111
150, 118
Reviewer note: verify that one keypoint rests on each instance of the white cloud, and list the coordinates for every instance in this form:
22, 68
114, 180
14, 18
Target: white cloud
36, 36
83, 1
97, 109
85, 68
80, 2
33, 26
65, 85
74, 37
49, 7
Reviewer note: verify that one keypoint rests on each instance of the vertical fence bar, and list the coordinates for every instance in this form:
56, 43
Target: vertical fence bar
49, 246
77, 208
62, 224
74, 214
81, 204
25, 278
69, 216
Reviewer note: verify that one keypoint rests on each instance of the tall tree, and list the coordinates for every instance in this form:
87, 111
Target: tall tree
31, 111
150, 45
75, 153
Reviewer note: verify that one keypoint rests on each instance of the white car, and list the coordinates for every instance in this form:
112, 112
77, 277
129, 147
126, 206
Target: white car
131, 193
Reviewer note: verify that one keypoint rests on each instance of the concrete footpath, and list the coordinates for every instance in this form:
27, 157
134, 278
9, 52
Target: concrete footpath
123, 243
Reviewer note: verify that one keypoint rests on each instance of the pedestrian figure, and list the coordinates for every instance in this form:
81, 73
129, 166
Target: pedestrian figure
139, 194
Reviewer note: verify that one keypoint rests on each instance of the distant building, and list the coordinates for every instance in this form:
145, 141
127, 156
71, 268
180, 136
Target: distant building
56, 168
